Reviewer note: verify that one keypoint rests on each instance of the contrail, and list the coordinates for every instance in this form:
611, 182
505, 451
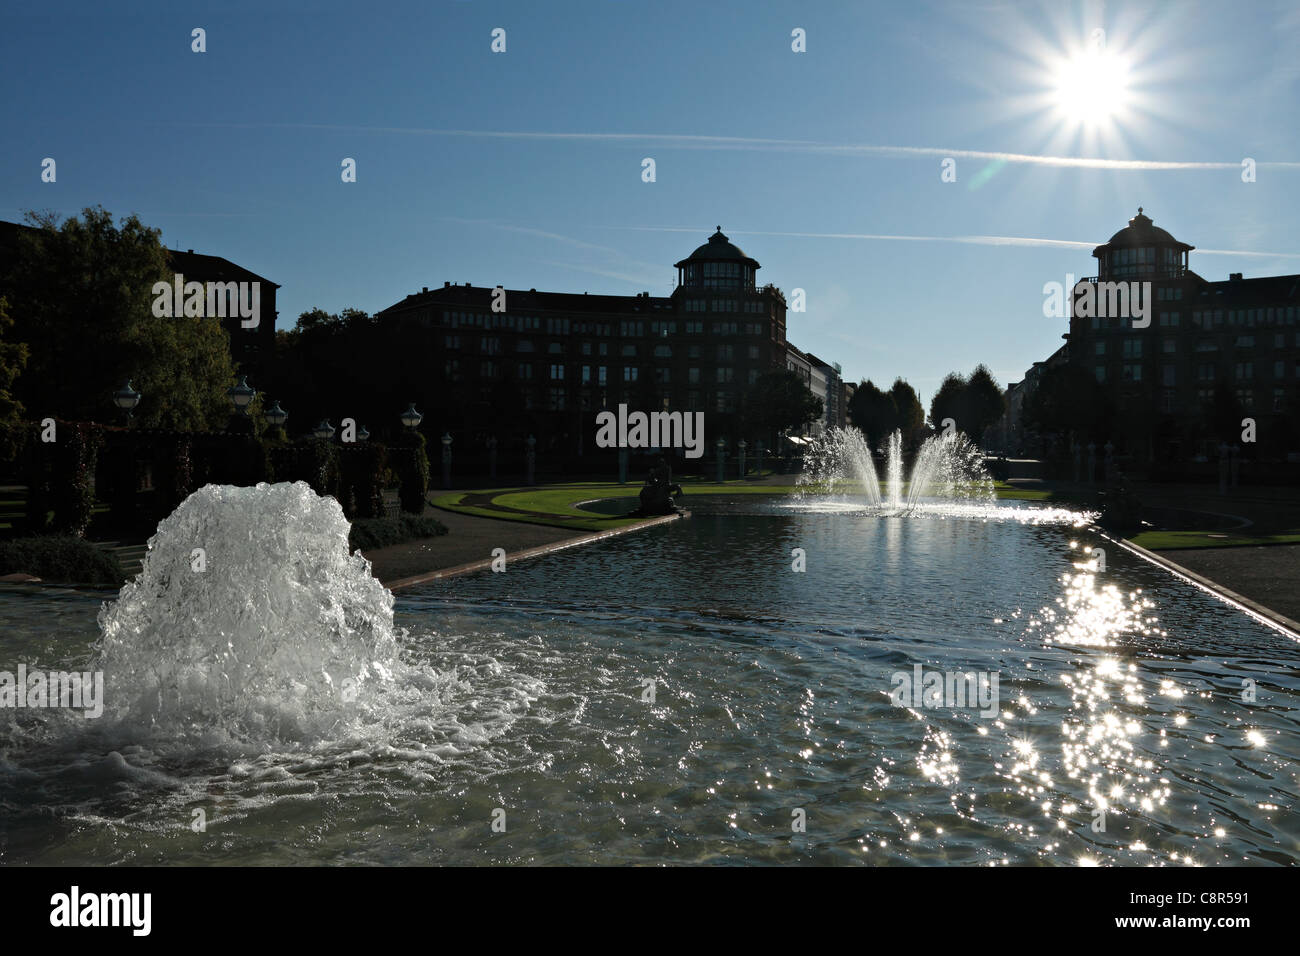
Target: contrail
753, 143
967, 240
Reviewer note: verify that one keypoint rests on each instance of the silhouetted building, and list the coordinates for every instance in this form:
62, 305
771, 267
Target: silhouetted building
571, 355
1214, 353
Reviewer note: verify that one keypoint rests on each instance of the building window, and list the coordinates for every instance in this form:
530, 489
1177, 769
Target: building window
1100, 373
1245, 371
629, 373
524, 345
557, 373
1132, 348
726, 374
693, 376
1168, 375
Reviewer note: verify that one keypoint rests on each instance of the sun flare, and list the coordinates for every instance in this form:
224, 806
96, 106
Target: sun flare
1091, 87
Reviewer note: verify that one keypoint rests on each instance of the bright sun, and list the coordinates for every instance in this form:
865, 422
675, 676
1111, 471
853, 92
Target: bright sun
1092, 87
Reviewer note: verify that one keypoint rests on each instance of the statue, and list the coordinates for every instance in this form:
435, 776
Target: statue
658, 491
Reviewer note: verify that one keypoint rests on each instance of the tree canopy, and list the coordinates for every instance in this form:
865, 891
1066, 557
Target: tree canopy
778, 401
82, 300
973, 402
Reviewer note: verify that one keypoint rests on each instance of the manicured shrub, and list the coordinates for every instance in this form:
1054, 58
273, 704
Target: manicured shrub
363, 467
72, 484
372, 533
311, 460
174, 468
63, 558
412, 466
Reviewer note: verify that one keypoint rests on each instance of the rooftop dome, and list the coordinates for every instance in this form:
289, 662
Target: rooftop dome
718, 249
1141, 231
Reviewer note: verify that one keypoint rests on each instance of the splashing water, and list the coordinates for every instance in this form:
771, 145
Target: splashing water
250, 615
948, 469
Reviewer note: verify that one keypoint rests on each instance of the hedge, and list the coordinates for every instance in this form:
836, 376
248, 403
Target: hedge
62, 558
367, 535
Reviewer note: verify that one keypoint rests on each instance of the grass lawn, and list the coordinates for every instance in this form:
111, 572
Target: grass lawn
557, 505
1179, 540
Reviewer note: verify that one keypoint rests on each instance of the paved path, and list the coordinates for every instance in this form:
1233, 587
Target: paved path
1268, 575
469, 538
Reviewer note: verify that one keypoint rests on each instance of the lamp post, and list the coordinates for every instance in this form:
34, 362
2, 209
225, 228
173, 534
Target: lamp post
446, 460
740, 450
126, 398
276, 417
531, 458
758, 465
324, 431
242, 395
411, 418
722, 460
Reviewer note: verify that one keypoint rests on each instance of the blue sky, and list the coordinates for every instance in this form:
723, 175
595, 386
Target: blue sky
524, 168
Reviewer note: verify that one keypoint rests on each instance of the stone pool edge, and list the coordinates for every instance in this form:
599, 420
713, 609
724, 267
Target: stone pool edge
534, 552
1265, 615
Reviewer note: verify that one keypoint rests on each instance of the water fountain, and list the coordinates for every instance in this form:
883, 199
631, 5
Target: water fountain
948, 469
249, 615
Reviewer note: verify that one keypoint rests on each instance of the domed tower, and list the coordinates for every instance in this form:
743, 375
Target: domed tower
717, 265
1141, 250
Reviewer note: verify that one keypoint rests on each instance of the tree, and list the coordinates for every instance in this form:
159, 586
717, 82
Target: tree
910, 416
947, 402
873, 412
984, 402
1068, 403
779, 401
83, 301
973, 403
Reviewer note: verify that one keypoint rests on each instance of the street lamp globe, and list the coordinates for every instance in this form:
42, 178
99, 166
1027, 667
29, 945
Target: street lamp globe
411, 418
126, 398
242, 395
